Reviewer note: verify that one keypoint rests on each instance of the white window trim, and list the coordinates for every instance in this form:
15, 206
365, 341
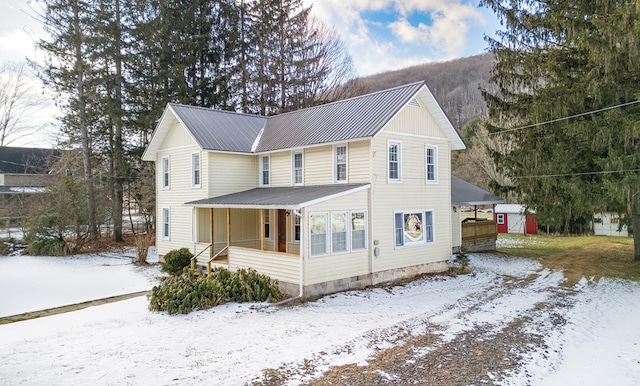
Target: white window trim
167, 172
261, 177
193, 170
335, 163
293, 228
327, 233
166, 220
424, 235
366, 228
500, 218
399, 143
435, 164
347, 231
293, 168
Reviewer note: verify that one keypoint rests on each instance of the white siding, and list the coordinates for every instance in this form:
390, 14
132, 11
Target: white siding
178, 146
341, 265
280, 266
281, 169
230, 173
318, 165
415, 128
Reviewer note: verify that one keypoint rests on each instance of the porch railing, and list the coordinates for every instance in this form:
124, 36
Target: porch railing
195, 258
214, 257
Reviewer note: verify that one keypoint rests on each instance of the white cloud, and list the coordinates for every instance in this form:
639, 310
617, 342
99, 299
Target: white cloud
445, 36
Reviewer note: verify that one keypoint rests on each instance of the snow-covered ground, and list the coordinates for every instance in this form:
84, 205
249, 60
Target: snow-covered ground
598, 342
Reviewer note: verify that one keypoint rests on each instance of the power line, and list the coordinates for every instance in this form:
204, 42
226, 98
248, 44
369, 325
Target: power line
577, 174
566, 118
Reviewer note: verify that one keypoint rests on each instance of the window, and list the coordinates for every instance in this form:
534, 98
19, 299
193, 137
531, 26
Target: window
431, 156
428, 227
195, 167
341, 163
358, 230
412, 228
266, 224
318, 230
165, 172
338, 232
297, 168
264, 170
500, 218
165, 223
395, 159
296, 227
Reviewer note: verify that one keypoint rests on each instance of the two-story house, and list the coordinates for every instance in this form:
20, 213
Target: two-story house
338, 196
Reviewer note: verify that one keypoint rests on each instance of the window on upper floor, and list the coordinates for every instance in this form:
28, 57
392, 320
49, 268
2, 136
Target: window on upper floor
297, 171
340, 156
264, 170
165, 172
195, 170
431, 158
394, 158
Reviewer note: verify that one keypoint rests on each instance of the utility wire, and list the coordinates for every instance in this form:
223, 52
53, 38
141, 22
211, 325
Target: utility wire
578, 174
565, 118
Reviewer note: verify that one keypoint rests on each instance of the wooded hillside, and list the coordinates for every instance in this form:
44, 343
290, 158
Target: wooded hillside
455, 84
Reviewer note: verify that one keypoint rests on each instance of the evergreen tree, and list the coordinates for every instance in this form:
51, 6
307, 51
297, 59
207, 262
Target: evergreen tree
555, 61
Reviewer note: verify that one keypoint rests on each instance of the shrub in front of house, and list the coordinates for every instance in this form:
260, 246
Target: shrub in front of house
188, 292
176, 260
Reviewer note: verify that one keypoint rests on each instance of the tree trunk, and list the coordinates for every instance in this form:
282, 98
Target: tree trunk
84, 130
635, 224
119, 163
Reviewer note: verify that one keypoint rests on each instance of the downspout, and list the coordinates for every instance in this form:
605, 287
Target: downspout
301, 253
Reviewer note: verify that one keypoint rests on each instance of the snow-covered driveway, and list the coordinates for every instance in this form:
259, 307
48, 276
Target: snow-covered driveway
510, 322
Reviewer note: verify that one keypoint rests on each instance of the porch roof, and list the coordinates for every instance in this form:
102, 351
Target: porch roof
466, 193
291, 197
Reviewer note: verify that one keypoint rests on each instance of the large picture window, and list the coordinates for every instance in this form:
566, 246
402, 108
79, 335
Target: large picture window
431, 156
394, 158
412, 228
338, 232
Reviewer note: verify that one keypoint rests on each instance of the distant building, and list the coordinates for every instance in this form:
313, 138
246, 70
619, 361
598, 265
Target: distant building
513, 218
608, 224
24, 173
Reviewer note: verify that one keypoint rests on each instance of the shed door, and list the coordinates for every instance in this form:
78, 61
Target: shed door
502, 223
282, 230
531, 224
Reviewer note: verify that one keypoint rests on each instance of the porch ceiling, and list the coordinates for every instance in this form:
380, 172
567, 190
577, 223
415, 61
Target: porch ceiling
292, 197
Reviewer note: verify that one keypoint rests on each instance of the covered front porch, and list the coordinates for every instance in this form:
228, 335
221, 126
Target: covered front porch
262, 229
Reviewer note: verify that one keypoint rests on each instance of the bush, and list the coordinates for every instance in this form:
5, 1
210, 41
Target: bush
187, 292
175, 261
40, 245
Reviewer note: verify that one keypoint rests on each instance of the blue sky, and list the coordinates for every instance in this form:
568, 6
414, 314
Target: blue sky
381, 35
384, 35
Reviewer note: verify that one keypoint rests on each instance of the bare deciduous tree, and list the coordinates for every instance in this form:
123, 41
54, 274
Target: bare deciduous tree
18, 102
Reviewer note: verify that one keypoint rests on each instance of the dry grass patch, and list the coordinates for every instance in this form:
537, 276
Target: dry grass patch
578, 256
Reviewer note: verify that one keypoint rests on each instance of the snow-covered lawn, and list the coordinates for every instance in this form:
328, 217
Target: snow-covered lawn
598, 342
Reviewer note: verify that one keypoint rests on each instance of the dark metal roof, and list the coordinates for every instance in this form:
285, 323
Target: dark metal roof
27, 160
358, 117
220, 130
282, 197
466, 193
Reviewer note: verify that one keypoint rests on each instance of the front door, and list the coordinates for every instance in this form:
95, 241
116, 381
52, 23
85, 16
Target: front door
282, 230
